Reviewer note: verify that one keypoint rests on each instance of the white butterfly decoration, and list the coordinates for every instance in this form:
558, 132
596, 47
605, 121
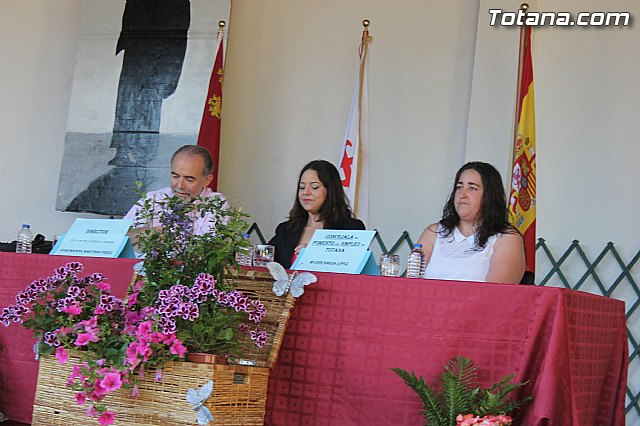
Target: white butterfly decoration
197, 398
294, 283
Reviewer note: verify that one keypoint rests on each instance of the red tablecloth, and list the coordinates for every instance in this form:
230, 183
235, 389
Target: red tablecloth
347, 331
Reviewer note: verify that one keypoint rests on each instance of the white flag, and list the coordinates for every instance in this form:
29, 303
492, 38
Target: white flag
354, 159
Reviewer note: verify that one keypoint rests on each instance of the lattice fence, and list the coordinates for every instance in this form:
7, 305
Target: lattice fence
608, 274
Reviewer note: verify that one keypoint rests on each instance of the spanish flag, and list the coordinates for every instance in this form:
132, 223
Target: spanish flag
209, 135
522, 198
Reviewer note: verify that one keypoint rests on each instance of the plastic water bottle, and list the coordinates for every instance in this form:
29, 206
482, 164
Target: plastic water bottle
24, 240
243, 256
416, 263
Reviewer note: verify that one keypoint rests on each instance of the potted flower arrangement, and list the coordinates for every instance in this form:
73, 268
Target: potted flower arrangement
183, 300
455, 400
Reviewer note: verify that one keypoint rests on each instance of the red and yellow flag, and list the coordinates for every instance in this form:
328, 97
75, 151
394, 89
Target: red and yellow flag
522, 198
209, 135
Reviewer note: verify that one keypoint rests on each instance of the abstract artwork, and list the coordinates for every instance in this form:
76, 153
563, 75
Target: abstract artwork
139, 86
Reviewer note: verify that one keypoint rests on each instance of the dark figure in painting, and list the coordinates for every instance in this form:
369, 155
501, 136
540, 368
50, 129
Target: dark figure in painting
154, 41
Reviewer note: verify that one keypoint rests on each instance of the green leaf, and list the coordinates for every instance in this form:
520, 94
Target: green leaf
457, 393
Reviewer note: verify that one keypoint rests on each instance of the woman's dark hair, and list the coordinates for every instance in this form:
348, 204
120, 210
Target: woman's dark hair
493, 212
335, 208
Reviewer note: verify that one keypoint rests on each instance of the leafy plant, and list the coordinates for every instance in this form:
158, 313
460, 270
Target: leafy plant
454, 394
185, 300
175, 254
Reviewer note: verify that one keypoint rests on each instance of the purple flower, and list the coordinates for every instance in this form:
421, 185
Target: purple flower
74, 267
110, 303
51, 338
260, 337
60, 274
167, 325
94, 278
189, 311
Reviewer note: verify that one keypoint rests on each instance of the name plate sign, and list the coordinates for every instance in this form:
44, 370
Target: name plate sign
341, 251
96, 238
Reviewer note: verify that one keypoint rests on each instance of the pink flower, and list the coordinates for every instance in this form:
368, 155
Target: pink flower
63, 331
91, 323
144, 348
61, 355
144, 329
98, 390
159, 375
135, 391
103, 286
138, 286
106, 418
80, 398
111, 382
132, 299
178, 348
92, 412
76, 373
72, 310
85, 338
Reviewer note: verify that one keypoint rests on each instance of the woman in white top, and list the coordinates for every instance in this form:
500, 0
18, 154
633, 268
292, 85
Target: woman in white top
474, 240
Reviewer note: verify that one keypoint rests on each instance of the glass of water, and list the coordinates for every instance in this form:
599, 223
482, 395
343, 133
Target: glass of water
389, 265
263, 254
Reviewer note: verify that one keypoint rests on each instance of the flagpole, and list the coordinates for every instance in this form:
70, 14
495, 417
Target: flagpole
362, 51
220, 36
521, 49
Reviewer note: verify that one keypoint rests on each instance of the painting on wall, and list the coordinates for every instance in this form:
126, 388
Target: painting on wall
139, 86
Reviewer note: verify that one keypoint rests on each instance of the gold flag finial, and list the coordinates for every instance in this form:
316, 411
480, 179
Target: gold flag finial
366, 23
524, 6
221, 24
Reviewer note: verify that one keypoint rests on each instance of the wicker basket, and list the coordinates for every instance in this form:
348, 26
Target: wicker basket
258, 285
239, 393
238, 398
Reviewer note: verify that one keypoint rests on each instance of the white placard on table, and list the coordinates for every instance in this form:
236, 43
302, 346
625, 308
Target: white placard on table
96, 238
341, 251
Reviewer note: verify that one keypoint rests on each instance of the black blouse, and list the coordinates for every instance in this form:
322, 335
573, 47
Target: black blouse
286, 240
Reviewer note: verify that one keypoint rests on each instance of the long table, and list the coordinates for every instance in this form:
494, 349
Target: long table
347, 331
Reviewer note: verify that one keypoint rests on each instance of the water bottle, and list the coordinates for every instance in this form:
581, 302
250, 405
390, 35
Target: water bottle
24, 240
416, 263
243, 256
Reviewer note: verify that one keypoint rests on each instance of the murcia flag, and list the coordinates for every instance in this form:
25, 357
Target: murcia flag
353, 165
209, 136
522, 198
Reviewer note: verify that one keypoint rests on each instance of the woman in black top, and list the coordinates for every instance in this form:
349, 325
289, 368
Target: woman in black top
320, 204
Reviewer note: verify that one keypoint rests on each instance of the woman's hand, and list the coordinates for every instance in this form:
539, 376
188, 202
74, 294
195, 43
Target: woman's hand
296, 251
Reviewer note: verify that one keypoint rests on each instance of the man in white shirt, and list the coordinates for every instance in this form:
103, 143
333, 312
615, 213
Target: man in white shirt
191, 173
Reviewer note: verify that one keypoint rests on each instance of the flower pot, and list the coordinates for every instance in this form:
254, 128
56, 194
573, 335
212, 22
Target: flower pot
203, 358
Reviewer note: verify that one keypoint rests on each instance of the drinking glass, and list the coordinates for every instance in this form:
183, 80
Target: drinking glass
263, 254
389, 265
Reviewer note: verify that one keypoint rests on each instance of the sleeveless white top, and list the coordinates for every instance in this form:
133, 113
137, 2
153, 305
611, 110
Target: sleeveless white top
454, 257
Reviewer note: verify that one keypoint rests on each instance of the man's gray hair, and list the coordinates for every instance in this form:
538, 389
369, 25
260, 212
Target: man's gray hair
197, 150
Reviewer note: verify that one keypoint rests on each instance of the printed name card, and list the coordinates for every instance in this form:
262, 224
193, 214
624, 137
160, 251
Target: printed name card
341, 251
96, 238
